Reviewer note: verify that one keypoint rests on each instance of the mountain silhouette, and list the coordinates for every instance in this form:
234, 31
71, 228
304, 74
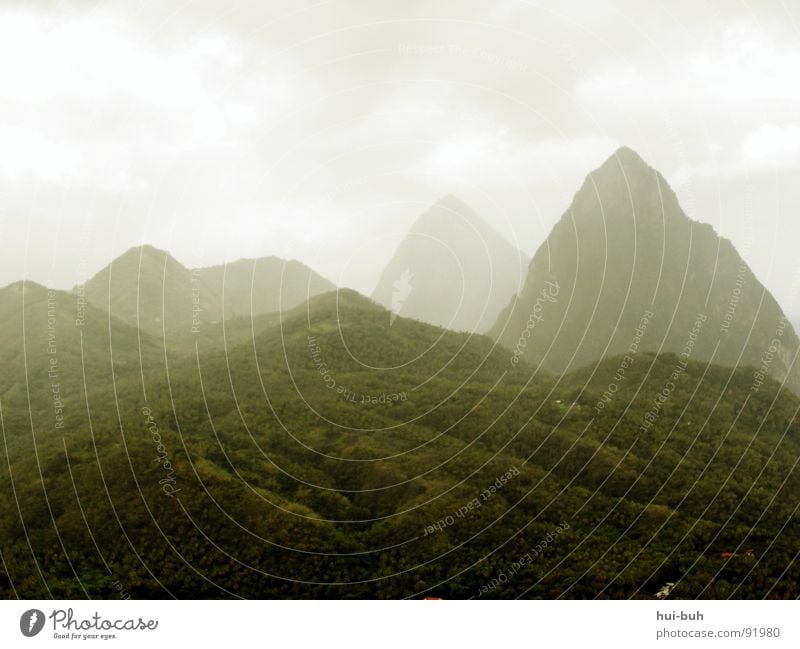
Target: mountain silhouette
625, 270
148, 288
452, 269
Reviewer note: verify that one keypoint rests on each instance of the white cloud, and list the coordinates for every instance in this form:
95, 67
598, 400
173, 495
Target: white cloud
91, 57
496, 160
87, 100
746, 67
764, 149
462, 156
773, 146
740, 69
719, 110
184, 117
28, 153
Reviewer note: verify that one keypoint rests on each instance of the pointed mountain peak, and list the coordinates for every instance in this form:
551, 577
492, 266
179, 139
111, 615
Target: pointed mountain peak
626, 185
453, 269
625, 248
627, 157
625, 165
448, 209
451, 202
450, 212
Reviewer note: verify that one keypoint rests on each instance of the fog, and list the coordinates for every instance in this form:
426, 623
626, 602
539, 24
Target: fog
320, 132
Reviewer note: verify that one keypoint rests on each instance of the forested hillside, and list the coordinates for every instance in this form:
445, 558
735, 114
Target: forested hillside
327, 453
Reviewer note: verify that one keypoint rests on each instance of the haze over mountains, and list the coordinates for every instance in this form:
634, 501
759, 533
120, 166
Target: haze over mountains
148, 288
625, 265
452, 269
623, 270
329, 446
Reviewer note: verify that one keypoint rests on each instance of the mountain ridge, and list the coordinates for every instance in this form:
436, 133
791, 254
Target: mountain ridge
149, 288
625, 247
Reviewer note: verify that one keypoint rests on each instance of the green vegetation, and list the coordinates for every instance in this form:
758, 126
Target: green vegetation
327, 453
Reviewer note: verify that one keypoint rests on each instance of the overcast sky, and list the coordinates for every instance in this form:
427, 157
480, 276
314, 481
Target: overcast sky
321, 130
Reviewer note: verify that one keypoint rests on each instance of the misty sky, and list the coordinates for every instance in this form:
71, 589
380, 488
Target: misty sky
321, 130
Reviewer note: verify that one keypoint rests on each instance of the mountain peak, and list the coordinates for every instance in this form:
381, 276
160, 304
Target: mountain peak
338, 298
448, 211
453, 269
624, 249
23, 286
452, 202
625, 187
624, 164
628, 157
145, 249
148, 288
